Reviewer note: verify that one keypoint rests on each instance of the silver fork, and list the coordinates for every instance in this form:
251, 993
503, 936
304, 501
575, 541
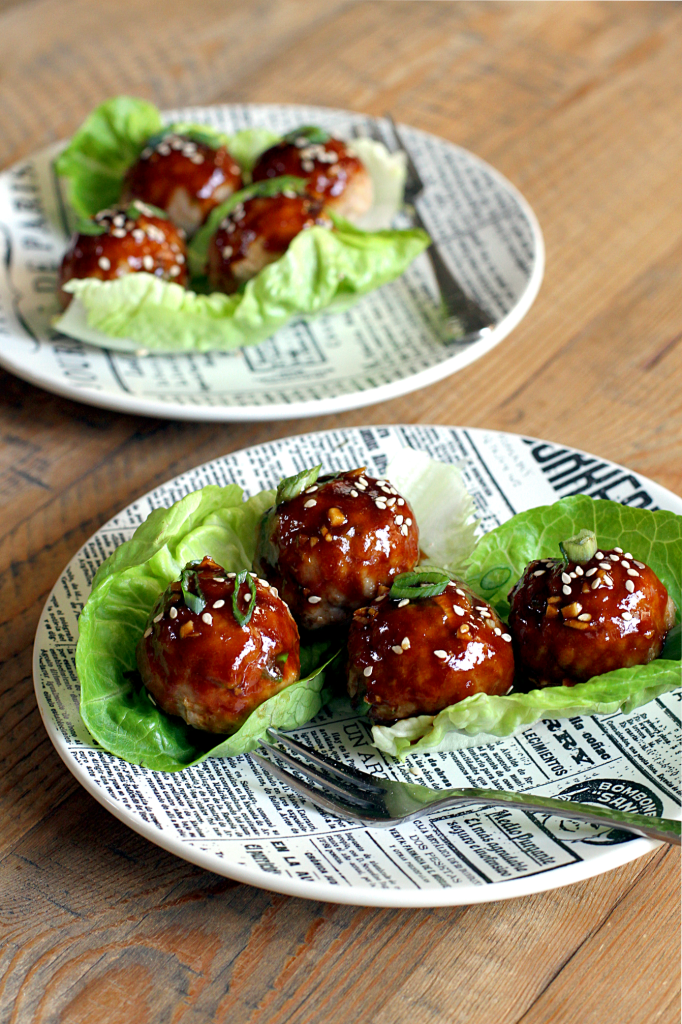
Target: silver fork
465, 320
379, 802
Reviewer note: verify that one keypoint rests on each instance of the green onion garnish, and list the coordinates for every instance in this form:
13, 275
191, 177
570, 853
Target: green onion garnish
90, 227
283, 658
580, 548
196, 602
136, 208
416, 586
243, 617
275, 187
314, 135
292, 486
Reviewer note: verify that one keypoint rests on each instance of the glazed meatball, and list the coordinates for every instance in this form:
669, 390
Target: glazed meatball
256, 233
333, 174
127, 240
207, 666
573, 620
416, 657
331, 548
184, 177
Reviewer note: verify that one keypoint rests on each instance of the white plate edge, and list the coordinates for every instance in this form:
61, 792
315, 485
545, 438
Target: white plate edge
153, 408
464, 895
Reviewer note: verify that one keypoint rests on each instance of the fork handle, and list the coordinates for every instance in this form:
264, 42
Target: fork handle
664, 829
466, 318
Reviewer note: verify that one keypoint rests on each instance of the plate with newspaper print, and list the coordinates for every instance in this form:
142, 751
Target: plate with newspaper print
388, 344
230, 817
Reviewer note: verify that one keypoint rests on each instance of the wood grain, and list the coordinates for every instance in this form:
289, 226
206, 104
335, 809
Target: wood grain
579, 105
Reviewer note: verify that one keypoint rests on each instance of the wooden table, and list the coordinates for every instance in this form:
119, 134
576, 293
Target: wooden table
580, 105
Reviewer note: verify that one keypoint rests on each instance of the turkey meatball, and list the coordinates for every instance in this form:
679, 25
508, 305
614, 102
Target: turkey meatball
216, 662
183, 176
256, 233
332, 172
125, 240
574, 619
331, 548
416, 657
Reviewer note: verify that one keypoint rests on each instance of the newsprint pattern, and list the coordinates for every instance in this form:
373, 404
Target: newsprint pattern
484, 228
232, 817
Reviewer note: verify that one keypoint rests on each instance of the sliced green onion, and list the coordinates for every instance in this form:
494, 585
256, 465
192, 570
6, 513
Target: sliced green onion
495, 577
314, 135
292, 486
154, 140
275, 187
196, 602
416, 586
283, 658
90, 227
203, 135
580, 548
198, 247
136, 208
243, 617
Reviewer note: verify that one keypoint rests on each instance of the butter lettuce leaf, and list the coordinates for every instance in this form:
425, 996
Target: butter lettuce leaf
110, 140
497, 562
443, 508
388, 172
502, 555
96, 159
248, 144
114, 705
321, 270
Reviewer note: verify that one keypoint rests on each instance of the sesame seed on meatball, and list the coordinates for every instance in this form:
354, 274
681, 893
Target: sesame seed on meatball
572, 620
256, 233
416, 657
130, 240
330, 549
208, 667
332, 172
185, 177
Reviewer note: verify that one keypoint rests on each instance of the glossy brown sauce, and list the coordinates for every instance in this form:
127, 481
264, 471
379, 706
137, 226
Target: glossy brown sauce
417, 657
326, 180
128, 245
571, 622
215, 673
331, 548
207, 176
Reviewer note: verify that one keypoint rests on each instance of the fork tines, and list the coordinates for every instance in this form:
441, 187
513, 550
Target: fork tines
344, 789
342, 771
414, 184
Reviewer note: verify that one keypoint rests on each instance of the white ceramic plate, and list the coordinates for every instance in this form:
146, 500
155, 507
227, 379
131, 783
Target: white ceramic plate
229, 817
386, 346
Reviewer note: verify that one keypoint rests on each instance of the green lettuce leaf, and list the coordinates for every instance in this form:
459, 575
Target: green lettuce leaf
388, 172
114, 705
112, 137
502, 555
97, 157
498, 561
321, 270
442, 506
248, 144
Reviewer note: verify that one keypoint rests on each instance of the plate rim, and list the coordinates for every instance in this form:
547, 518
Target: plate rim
157, 408
463, 895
